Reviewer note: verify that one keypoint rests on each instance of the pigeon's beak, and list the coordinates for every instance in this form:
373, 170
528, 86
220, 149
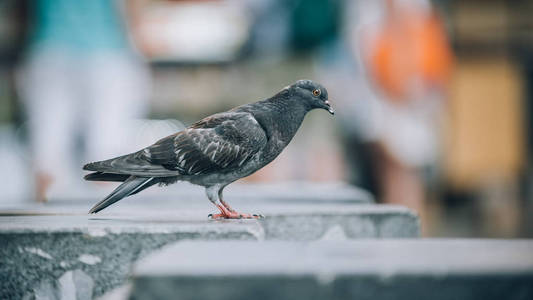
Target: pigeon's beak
329, 108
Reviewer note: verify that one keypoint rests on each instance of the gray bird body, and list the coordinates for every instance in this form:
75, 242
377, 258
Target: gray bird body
216, 150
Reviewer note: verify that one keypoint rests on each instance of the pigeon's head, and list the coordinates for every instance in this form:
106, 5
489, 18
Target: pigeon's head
313, 93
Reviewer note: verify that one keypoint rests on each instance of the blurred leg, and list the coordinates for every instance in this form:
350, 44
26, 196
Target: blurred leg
401, 184
45, 87
117, 94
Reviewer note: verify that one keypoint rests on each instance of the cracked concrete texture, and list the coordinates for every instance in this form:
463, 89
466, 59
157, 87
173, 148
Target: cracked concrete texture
23, 272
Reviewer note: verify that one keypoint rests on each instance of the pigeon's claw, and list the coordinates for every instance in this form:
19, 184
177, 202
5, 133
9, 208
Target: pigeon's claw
226, 205
227, 214
235, 215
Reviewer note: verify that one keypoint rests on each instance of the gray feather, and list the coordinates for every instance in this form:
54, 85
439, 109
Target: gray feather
129, 187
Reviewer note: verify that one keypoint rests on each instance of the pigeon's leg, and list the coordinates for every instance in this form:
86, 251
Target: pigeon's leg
221, 199
212, 193
226, 212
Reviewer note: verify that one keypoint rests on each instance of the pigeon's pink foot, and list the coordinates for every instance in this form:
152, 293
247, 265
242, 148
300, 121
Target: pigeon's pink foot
227, 214
226, 205
235, 215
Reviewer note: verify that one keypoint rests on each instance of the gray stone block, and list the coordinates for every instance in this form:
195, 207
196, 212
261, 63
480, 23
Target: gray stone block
50, 249
338, 222
58, 255
363, 269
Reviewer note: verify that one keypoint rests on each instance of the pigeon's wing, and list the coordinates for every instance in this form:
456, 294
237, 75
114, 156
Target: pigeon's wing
222, 142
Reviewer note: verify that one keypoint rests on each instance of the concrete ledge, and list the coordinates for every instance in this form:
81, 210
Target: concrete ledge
371, 269
58, 248
38, 253
338, 222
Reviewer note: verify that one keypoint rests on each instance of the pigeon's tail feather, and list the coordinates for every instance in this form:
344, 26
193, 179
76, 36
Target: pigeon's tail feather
131, 186
101, 176
130, 164
112, 164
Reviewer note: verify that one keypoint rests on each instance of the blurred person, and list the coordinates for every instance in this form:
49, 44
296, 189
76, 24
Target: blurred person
397, 81
80, 80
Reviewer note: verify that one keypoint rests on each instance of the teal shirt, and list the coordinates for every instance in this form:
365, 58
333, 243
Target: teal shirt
80, 26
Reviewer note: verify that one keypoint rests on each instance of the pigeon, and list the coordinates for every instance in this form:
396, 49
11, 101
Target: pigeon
216, 150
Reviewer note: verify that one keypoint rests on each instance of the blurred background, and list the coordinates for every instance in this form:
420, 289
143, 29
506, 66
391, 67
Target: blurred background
433, 98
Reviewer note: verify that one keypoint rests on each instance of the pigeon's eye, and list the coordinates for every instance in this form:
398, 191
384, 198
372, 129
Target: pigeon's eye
316, 92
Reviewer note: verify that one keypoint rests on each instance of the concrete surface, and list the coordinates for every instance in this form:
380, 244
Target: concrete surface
363, 269
57, 248
295, 191
49, 255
